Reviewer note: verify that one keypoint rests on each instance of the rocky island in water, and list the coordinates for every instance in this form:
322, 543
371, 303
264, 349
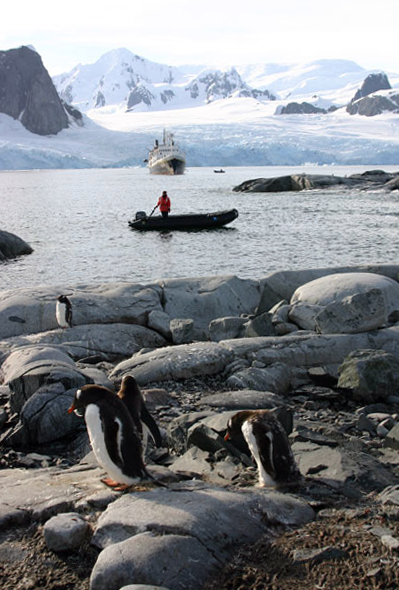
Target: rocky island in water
320, 348
370, 180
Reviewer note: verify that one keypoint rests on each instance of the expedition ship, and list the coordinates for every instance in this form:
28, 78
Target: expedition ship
167, 157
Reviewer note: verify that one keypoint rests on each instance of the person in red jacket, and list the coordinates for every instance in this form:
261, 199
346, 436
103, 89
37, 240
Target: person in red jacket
164, 204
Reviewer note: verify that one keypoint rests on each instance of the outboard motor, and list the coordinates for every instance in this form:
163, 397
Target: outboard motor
140, 215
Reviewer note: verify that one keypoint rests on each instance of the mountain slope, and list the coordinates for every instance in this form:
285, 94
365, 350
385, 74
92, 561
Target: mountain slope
27, 92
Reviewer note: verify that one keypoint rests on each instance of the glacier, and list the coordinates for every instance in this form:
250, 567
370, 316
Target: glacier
227, 118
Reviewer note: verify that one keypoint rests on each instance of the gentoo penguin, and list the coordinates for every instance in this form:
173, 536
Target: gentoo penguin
132, 397
269, 445
113, 435
63, 312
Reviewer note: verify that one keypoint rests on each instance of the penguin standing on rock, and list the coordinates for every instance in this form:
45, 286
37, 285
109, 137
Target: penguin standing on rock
269, 446
113, 435
132, 397
63, 312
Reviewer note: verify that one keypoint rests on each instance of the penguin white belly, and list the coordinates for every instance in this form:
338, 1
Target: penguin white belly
60, 314
265, 480
97, 441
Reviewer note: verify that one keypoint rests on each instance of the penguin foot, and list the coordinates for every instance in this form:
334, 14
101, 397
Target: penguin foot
117, 486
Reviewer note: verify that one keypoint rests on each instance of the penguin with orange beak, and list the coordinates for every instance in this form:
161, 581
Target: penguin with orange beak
269, 445
113, 435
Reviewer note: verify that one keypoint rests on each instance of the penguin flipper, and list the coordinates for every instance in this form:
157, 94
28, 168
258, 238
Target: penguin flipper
152, 426
112, 433
266, 449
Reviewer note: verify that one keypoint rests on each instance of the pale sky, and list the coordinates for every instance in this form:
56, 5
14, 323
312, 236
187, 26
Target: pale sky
209, 32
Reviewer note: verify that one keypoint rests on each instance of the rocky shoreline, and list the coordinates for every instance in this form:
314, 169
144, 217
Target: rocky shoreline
369, 180
319, 345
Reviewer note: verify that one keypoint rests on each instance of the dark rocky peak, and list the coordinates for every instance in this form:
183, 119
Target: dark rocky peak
27, 92
368, 103
369, 106
217, 84
139, 94
373, 83
304, 108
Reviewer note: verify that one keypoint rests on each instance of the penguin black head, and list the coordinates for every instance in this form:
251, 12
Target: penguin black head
92, 394
63, 299
235, 423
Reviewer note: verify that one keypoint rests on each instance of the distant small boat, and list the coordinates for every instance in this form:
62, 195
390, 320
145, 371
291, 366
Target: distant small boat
186, 222
167, 157
221, 171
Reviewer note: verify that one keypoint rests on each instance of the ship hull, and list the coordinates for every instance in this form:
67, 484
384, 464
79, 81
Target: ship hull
171, 165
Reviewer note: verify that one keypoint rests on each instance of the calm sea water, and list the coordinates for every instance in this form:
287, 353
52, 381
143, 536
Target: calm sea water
77, 223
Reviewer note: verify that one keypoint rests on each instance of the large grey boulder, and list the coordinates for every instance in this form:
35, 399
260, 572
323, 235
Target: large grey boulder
21, 357
44, 416
12, 246
182, 330
207, 298
28, 368
275, 378
160, 322
260, 325
351, 302
361, 312
281, 285
226, 328
370, 375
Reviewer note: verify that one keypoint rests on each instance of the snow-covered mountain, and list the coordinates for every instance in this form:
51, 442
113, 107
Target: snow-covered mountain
120, 78
220, 117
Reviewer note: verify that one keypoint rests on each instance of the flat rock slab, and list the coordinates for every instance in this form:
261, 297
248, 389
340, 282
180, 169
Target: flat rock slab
349, 470
243, 399
175, 362
27, 495
141, 533
28, 311
108, 340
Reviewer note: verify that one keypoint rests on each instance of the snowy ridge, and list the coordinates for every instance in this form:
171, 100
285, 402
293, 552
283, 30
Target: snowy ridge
219, 117
122, 79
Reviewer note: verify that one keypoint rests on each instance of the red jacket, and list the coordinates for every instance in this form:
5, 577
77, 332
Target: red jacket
164, 203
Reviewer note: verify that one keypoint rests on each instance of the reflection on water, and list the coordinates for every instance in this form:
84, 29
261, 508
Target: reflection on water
77, 223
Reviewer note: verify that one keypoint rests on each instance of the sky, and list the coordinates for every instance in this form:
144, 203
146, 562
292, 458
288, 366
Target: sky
208, 32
